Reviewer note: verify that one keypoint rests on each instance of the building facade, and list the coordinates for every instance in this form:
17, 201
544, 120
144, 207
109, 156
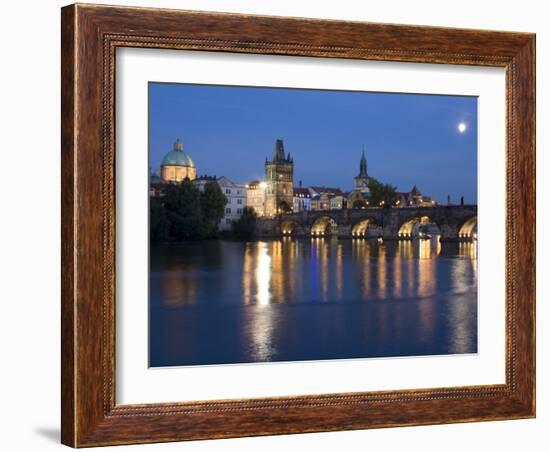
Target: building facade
236, 201
177, 165
321, 198
255, 196
301, 200
414, 198
279, 175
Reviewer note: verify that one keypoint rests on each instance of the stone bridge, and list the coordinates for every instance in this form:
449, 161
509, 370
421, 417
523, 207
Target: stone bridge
453, 223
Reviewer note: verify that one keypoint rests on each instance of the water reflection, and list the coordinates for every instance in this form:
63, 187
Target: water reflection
316, 298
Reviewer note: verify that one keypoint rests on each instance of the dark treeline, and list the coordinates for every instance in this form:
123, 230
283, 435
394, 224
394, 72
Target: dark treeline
183, 212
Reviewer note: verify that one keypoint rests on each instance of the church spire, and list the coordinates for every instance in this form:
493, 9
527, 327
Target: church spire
363, 164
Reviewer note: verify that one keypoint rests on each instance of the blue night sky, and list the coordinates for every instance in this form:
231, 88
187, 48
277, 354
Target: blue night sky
408, 138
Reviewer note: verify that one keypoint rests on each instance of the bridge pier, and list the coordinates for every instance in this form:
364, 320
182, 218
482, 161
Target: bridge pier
344, 231
449, 233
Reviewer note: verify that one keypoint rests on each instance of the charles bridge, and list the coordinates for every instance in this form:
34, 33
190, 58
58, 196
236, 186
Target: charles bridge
453, 223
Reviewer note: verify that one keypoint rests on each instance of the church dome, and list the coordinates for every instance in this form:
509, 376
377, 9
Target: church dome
178, 157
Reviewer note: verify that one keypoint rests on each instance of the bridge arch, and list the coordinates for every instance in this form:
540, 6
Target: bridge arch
412, 227
289, 227
361, 228
323, 226
468, 230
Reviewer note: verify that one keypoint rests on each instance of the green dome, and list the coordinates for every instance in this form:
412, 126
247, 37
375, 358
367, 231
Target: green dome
178, 157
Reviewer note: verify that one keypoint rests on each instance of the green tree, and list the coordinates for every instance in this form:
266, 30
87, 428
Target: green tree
212, 202
159, 226
381, 194
183, 210
244, 227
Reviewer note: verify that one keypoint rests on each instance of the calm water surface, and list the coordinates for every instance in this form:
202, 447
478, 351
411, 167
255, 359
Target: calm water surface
219, 302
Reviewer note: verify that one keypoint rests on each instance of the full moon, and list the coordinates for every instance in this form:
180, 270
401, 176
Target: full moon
462, 127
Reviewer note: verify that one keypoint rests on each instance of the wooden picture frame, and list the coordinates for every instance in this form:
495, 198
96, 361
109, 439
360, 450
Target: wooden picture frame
90, 36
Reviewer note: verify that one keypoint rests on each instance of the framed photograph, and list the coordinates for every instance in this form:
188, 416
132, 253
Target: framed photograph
282, 225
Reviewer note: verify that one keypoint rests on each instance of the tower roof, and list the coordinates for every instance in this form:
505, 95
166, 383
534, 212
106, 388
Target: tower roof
177, 156
279, 150
363, 165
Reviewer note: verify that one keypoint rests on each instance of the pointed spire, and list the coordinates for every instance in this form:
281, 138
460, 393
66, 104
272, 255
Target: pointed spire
363, 164
279, 151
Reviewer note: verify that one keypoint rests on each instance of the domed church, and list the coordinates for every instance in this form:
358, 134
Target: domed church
177, 165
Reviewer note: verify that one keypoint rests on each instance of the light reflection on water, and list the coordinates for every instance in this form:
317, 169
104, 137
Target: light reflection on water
216, 302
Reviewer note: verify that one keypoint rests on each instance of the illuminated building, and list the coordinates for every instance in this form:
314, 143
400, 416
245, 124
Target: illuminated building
255, 196
301, 200
414, 198
177, 165
326, 198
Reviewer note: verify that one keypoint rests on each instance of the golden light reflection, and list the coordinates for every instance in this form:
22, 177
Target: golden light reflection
179, 285
320, 247
262, 334
382, 271
339, 269
462, 283
460, 279
263, 274
278, 292
426, 268
362, 257
397, 275
257, 274
468, 249
427, 277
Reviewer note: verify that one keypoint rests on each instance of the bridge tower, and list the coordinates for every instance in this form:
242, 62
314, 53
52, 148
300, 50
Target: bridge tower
279, 175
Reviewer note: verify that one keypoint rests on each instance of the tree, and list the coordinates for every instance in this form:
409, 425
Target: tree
158, 221
212, 202
183, 210
244, 227
381, 194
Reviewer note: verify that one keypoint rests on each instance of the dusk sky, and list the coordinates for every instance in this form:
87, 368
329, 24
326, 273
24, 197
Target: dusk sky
408, 138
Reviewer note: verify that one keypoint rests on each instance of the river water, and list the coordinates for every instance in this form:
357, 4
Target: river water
220, 302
